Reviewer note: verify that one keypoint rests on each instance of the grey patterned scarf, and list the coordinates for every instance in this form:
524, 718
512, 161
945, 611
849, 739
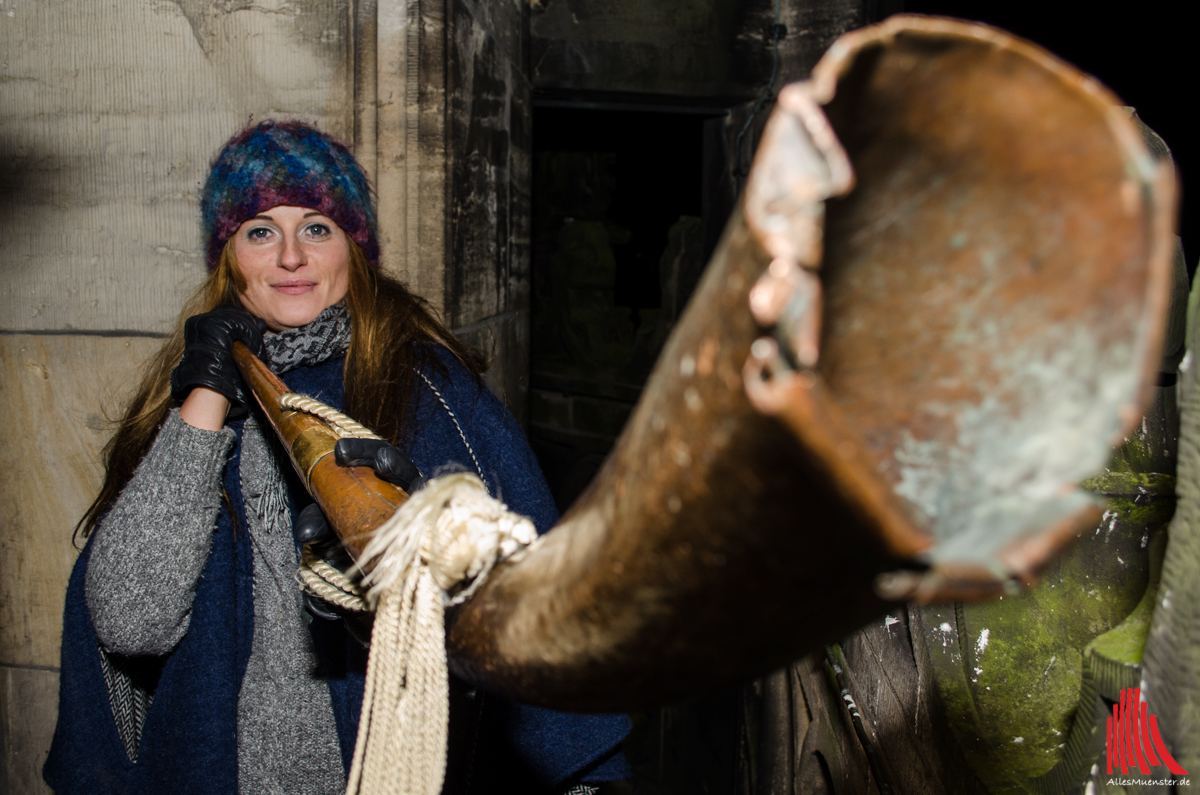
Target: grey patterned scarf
324, 338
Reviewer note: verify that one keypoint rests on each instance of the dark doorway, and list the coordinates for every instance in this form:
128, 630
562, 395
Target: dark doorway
620, 231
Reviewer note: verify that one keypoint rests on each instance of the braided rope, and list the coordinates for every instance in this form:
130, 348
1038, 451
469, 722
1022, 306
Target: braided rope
328, 583
346, 427
448, 532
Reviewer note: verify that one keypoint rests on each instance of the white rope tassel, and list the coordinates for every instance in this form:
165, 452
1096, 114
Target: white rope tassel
448, 532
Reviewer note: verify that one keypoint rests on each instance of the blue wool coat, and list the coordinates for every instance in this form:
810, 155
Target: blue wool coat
189, 737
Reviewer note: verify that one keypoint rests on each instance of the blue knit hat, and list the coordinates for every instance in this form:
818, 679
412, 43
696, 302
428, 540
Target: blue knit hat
285, 162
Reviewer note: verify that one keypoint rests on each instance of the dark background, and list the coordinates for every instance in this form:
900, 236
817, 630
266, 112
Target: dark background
656, 179
1139, 51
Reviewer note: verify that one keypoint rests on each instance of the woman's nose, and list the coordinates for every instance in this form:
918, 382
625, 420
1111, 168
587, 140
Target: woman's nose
292, 255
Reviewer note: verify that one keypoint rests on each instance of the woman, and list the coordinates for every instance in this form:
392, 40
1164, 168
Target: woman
189, 663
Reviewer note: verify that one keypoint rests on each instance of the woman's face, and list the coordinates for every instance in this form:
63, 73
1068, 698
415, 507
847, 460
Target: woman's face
296, 263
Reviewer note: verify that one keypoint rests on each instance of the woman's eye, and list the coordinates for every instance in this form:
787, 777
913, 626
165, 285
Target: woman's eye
318, 231
259, 233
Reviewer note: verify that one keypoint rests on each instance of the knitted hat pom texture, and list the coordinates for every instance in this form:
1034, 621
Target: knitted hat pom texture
275, 163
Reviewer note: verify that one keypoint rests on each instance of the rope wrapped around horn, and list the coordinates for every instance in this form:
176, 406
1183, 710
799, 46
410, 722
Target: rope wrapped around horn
875, 395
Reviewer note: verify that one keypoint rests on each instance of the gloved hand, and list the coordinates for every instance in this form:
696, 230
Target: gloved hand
313, 528
207, 361
388, 462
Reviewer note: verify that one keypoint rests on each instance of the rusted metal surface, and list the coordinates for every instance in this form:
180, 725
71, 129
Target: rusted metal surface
987, 312
994, 292
354, 500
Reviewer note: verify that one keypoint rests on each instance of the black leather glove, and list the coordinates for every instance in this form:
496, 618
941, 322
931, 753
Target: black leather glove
388, 462
313, 528
207, 361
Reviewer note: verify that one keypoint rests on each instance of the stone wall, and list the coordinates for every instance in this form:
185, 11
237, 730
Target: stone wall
488, 141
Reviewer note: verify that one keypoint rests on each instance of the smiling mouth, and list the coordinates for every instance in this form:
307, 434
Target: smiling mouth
293, 287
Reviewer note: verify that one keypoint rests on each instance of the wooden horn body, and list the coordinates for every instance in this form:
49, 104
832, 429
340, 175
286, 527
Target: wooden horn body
886, 396
354, 500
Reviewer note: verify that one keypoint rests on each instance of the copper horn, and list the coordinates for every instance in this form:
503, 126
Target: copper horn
885, 396
904, 415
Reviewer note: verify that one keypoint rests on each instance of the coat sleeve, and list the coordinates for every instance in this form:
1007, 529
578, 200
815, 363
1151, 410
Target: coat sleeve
151, 547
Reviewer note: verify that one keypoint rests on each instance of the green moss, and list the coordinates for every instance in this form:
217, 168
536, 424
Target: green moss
1126, 643
1117, 483
1015, 705
1138, 454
